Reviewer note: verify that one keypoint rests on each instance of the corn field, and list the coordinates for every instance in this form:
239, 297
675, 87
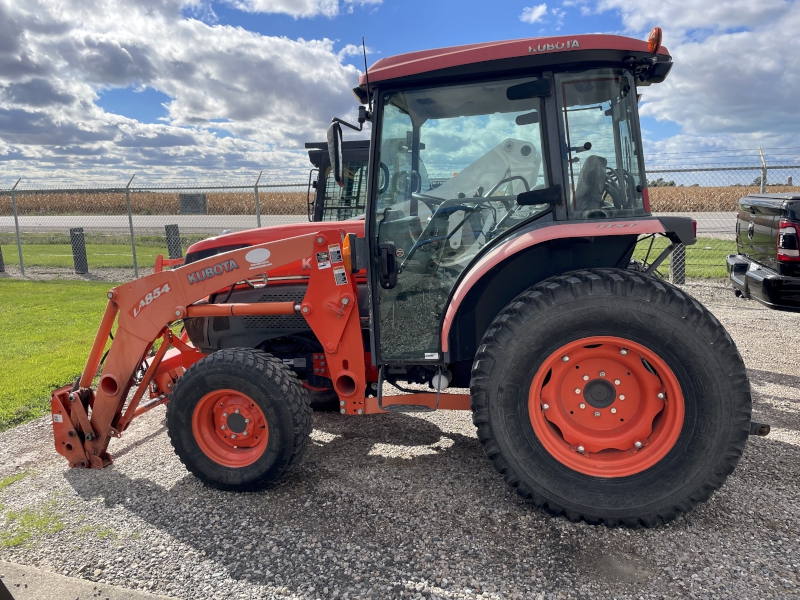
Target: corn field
662, 199
704, 199
153, 203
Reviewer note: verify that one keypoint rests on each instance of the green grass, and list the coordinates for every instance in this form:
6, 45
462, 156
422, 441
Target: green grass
705, 259
4, 483
55, 250
48, 328
97, 256
107, 532
21, 526
63, 239
102, 533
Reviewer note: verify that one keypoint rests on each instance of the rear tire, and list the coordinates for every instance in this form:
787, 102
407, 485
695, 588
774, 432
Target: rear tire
239, 420
691, 367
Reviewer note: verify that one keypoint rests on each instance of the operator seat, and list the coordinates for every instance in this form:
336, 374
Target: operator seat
591, 182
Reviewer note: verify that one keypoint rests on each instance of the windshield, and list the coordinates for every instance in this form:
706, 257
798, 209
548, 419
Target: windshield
603, 161
452, 161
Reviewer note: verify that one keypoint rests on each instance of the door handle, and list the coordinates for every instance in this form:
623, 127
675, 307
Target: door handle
387, 266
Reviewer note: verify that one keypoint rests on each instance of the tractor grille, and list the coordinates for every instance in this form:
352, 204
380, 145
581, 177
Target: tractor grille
282, 322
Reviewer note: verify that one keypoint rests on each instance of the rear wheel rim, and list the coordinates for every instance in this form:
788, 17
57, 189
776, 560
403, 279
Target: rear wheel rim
606, 407
230, 428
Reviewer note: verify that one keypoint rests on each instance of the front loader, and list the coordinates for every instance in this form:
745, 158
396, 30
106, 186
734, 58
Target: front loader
599, 391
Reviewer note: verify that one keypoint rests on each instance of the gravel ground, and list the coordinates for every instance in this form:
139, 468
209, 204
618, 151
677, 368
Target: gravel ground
406, 506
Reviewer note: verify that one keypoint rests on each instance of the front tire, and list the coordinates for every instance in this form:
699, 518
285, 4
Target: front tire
239, 420
610, 396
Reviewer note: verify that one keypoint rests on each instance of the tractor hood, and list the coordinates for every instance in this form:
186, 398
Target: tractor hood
251, 237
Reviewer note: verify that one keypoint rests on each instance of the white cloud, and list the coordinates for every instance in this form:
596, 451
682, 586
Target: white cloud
299, 8
685, 15
353, 50
559, 15
533, 14
271, 93
736, 75
351, 3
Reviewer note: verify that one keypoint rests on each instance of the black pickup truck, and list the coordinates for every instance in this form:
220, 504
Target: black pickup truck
767, 264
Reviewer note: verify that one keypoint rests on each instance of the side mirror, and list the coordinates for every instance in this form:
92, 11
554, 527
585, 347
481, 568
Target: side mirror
335, 152
550, 195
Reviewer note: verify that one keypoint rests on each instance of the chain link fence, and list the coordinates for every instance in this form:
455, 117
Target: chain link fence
115, 234
710, 195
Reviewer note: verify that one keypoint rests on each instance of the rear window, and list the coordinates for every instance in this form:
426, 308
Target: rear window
341, 203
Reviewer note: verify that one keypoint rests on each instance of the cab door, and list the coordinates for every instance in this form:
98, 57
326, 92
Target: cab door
448, 165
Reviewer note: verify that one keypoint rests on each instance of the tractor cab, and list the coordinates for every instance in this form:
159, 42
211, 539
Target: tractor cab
475, 146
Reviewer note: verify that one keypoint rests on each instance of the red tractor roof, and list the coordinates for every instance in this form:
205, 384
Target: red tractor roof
418, 63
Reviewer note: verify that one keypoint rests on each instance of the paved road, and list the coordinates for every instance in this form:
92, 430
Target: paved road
212, 224
709, 224
29, 583
720, 225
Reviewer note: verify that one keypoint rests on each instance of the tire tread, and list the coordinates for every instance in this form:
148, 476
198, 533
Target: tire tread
265, 367
595, 282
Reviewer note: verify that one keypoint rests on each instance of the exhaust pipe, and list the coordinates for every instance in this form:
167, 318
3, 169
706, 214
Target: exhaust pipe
759, 429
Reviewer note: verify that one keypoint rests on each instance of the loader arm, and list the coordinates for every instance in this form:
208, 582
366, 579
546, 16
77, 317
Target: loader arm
86, 418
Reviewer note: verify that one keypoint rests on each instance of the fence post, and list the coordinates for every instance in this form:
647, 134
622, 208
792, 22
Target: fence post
677, 265
258, 204
16, 227
2, 264
173, 241
78, 242
763, 172
130, 226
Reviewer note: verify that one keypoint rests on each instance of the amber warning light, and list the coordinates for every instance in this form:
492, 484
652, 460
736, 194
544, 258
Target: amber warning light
654, 42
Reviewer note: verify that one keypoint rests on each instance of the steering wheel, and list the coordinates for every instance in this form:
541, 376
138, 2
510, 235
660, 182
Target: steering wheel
445, 254
432, 202
616, 189
506, 180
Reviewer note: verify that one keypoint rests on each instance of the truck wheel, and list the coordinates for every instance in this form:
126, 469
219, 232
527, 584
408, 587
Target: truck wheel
610, 396
239, 419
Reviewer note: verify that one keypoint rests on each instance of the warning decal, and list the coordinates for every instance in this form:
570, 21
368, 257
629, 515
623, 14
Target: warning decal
336, 253
340, 275
323, 261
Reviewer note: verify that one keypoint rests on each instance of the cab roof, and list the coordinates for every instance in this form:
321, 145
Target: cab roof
509, 55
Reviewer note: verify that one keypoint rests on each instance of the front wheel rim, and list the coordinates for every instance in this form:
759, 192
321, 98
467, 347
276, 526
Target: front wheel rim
606, 407
230, 428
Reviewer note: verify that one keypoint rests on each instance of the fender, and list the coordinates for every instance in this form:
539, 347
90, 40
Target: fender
566, 231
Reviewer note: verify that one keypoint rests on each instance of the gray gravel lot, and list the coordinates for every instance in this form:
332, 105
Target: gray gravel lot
397, 506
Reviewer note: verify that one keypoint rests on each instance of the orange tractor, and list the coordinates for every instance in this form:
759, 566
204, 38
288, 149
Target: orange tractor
598, 390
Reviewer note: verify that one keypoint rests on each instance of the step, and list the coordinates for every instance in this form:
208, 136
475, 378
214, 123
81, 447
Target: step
408, 408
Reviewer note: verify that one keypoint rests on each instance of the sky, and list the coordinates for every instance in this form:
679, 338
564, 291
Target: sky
217, 91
